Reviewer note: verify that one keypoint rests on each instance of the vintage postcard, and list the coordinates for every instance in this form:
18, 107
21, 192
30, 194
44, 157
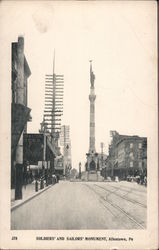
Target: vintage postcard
78, 102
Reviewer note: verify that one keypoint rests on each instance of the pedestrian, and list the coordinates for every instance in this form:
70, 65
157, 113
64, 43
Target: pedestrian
138, 179
41, 183
54, 178
57, 178
142, 179
36, 185
116, 179
145, 180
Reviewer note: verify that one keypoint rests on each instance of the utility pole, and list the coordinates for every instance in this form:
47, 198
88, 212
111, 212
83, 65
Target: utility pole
44, 153
53, 102
102, 146
102, 165
54, 88
64, 154
79, 170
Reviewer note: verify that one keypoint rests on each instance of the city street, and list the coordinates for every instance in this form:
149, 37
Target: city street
84, 205
79, 138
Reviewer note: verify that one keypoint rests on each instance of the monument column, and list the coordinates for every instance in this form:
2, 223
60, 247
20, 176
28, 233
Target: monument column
92, 98
92, 172
92, 156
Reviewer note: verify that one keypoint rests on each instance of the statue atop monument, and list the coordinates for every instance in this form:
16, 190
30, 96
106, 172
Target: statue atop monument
92, 76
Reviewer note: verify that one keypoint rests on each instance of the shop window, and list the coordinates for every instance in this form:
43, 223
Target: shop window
140, 145
131, 164
131, 155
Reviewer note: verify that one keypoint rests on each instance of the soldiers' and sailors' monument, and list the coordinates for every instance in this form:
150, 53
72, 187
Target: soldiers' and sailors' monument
92, 171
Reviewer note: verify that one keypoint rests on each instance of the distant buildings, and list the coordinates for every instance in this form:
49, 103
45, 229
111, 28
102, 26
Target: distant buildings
65, 164
127, 156
102, 157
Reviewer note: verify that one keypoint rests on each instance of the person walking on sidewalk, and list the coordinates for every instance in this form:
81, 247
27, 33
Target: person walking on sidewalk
53, 179
57, 178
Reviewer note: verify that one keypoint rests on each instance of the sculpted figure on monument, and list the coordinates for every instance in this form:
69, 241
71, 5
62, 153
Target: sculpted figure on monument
92, 76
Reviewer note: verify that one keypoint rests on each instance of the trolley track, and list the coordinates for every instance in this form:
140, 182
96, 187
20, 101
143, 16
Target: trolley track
105, 202
122, 196
128, 189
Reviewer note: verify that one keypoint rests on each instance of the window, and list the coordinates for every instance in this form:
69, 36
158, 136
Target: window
131, 155
140, 145
131, 145
131, 164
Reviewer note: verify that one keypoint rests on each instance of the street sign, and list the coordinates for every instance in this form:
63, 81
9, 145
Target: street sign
33, 148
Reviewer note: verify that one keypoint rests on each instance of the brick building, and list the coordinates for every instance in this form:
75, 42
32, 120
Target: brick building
127, 156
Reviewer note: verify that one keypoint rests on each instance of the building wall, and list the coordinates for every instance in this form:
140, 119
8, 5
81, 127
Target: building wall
19, 76
65, 142
127, 155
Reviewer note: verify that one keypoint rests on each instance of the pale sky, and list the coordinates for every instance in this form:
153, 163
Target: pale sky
120, 38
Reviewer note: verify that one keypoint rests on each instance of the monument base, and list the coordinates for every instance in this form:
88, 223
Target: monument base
92, 176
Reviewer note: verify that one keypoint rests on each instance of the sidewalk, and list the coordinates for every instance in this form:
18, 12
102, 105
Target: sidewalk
28, 192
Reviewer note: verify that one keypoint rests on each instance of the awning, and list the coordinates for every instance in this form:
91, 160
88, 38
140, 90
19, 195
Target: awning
54, 149
20, 116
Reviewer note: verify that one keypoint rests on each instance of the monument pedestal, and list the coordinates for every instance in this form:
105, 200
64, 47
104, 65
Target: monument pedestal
92, 172
84, 176
100, 178
92, 176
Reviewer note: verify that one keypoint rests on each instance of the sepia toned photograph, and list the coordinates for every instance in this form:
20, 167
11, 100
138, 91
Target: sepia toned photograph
81, 121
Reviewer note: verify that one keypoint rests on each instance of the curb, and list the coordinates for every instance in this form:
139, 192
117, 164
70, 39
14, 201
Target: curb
30, 198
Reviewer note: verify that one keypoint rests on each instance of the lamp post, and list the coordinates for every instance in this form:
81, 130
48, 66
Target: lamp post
80, 170
102, 167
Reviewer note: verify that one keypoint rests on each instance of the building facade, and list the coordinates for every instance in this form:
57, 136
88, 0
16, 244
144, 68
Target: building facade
65, 142
20, 113
127, 156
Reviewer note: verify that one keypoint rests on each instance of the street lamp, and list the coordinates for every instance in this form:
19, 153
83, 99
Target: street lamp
80, 170
102, 167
